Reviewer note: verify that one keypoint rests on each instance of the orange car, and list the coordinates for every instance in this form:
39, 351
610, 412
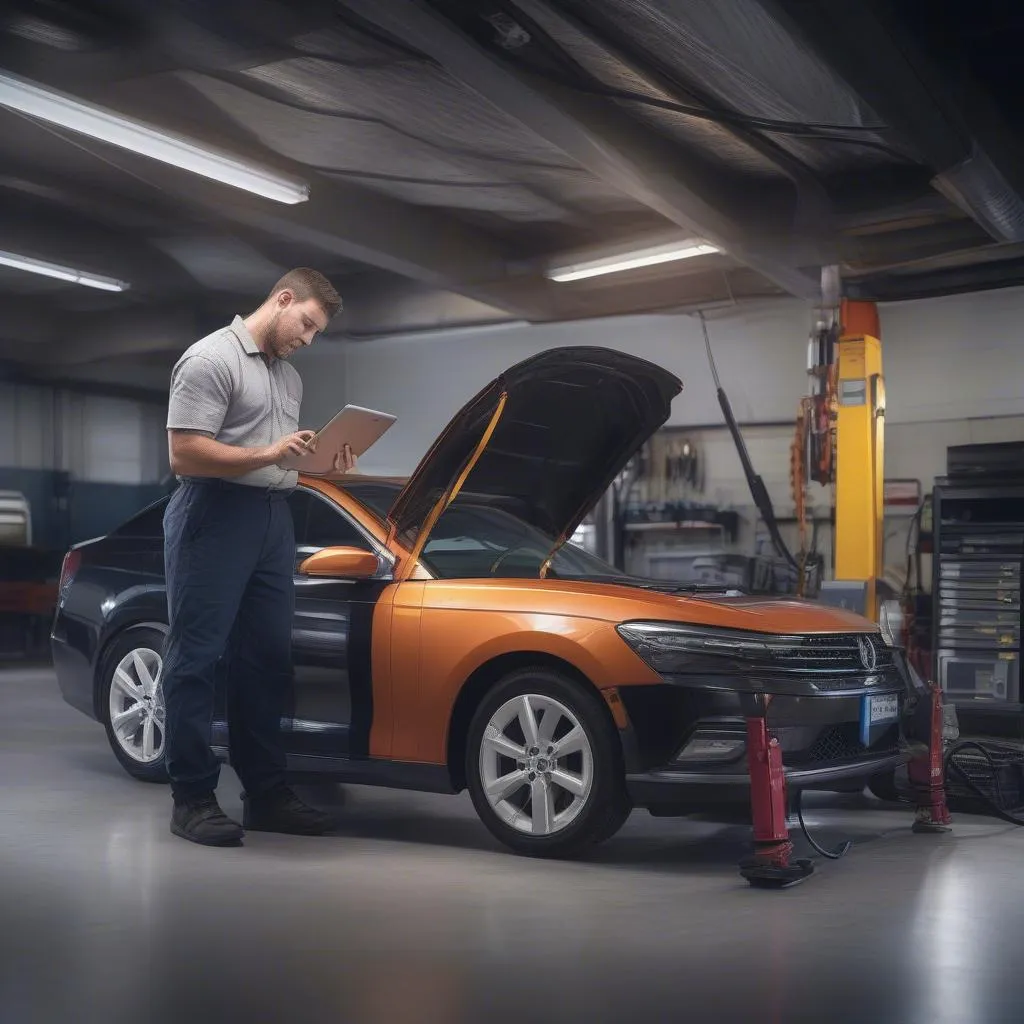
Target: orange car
447, 637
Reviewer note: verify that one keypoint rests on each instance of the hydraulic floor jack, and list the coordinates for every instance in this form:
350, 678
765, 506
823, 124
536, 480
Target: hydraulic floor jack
772, 865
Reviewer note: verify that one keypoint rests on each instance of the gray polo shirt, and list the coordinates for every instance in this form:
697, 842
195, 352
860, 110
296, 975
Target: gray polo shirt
224, 386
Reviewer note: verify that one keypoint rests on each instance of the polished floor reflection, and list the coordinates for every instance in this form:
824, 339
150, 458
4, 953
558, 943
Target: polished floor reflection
412, 913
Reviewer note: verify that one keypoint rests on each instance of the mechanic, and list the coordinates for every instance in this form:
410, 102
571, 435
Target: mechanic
229, 554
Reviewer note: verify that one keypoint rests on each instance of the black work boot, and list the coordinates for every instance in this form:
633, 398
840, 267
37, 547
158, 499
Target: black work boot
280, 810
200, 820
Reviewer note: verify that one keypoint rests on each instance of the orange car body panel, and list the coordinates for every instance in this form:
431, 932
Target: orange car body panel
431, 635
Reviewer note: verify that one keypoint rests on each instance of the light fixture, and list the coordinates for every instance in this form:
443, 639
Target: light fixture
98, 123
631, 260
107, 284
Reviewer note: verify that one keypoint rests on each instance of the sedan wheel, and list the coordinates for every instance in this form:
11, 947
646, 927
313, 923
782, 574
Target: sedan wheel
132, 702
544, 765
536, 764
137, 705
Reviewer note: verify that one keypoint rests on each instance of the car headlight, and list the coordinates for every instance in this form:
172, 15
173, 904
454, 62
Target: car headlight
890, 622
677, 649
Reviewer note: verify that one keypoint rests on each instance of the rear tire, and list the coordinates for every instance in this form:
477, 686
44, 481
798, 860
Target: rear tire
563, 789
131, 702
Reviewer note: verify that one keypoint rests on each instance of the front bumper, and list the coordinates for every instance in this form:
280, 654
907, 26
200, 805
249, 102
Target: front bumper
821, 739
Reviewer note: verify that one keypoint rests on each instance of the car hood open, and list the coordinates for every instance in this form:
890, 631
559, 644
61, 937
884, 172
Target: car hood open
546, 438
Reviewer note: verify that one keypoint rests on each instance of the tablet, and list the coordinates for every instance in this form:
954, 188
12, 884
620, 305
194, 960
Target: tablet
355, 426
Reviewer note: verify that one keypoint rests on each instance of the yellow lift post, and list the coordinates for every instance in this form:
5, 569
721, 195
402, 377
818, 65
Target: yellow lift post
860, 451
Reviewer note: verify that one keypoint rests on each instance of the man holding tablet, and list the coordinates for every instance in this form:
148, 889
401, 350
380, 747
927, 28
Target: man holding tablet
229, 551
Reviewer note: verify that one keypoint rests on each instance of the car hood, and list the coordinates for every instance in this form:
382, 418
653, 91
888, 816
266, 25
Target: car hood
632, 601
546, 438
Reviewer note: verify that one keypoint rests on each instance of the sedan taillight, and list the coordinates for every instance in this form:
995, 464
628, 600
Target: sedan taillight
72, 560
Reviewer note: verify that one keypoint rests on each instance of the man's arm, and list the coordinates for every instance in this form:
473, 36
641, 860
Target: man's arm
196, 454
199, 400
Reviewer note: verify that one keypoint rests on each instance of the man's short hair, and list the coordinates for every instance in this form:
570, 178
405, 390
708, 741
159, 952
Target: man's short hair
306, 283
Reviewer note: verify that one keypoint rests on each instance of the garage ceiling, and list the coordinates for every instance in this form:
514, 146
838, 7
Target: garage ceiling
456, 149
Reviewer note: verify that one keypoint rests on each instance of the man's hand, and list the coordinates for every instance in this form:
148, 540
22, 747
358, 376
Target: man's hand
299, 443
344, 461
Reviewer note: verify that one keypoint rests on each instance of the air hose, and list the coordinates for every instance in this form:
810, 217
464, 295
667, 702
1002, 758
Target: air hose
1015, 758
840, 851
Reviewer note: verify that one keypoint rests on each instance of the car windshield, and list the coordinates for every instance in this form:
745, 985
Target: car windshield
472, 541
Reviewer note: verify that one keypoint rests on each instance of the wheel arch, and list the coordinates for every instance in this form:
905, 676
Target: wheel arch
479, 682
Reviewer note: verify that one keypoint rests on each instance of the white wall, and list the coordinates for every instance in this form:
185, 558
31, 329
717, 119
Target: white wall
94, 438
26, 427
947, 361
426, 377
954, 358
322, 369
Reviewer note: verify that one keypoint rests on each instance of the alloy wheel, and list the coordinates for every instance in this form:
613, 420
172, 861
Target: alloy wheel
536, 764
137, 713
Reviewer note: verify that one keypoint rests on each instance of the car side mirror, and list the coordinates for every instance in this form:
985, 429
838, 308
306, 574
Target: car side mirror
347, 563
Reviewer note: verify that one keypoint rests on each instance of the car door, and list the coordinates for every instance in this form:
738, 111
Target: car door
333, 694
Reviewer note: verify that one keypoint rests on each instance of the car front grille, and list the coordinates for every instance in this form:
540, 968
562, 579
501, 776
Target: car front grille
838, 743
836, 653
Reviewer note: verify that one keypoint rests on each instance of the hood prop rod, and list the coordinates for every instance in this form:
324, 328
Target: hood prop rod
758, 491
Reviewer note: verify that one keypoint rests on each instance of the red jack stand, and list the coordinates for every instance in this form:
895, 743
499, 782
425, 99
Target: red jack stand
770, 867
927, 776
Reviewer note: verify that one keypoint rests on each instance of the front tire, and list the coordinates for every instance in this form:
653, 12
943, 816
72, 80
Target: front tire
131, 702
544, 767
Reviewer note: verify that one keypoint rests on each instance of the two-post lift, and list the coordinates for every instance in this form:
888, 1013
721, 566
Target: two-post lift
849, 395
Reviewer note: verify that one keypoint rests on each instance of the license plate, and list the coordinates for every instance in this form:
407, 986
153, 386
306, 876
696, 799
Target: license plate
877, 709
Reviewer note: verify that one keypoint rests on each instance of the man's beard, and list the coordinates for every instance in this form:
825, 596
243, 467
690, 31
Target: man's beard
277, 345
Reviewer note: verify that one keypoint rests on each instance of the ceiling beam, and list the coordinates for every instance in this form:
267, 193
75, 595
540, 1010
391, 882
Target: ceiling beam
133, 39
92, 337
343, 220
874, 252
593, 46
891, 287
977, 161
366, 227
608, 144
355, 224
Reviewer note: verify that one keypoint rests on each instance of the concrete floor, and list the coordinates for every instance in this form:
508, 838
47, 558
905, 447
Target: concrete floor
412, 913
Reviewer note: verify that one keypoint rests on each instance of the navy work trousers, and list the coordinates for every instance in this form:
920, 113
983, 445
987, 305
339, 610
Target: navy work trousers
229, 555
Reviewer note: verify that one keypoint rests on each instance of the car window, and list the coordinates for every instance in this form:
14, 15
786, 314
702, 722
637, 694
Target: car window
319, 524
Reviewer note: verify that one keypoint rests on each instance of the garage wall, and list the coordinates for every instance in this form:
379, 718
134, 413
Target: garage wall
322, 368
427, 377
953, 359
84, 461
954, 372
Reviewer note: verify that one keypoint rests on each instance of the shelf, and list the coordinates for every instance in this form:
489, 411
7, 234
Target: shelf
671, 527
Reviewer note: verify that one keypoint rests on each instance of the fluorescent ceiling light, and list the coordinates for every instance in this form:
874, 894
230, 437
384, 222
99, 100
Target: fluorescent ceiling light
632, 260
107, 284
99, 123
